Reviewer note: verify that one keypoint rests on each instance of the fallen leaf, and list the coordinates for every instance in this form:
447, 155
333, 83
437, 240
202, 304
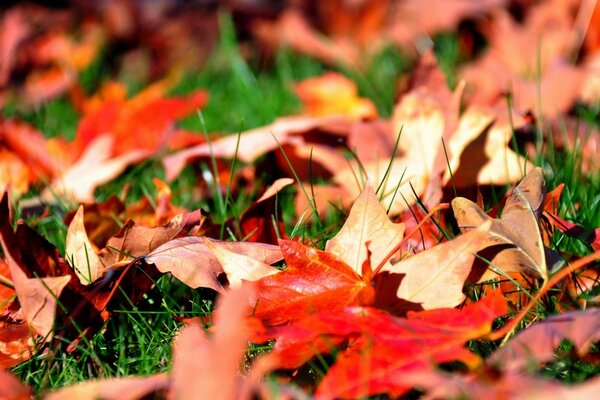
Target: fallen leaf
435, 278
252, 144
313, 281
208, 368
126, 388
515, 243
142, 123
12, 389
366, 223
259, 222
135, 240
375, 349
537, 343
92, 169
80, 251
333, 94
239, 267
191, 261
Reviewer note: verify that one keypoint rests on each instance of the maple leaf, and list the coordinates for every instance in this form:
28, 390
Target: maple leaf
515, 243
140, 123
537, 343
434, 278
130, 387
316, 280
208, 368
367, 222
381, 348
313, 281
438, 146
83, 257
334, 94
193, 262
94, 168
252, 143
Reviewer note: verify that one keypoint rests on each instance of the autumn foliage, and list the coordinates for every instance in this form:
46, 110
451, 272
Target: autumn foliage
439, 276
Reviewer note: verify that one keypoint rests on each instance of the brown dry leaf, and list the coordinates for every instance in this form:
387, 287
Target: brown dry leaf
124, 388
37, 296
491, 385
537, 344
191, 261
208, 368
515, 243
478, 150
369, 224
531, 61
239, 267
80, 251
435, 278
334, 94
92, 169
292, 30
252, 144
134, 240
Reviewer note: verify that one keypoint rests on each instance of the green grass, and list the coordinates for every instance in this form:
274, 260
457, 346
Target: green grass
138, 339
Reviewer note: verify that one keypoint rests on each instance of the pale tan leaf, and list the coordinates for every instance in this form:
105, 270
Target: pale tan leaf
37, 296
191, 261
515, 243
435, 278
94, 168
367, 222
239, 267
126, 388
80, 251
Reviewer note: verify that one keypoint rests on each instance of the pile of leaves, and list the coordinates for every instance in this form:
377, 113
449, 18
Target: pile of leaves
351, 251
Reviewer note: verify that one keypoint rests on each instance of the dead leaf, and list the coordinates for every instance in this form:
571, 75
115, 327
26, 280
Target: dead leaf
191, 261
366, 223
313, 281
126, 388
435, 278
515, 243
92, 169
12, 389
239, 267
537, 343
80, 251
334, 94
253, 143
208, 368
